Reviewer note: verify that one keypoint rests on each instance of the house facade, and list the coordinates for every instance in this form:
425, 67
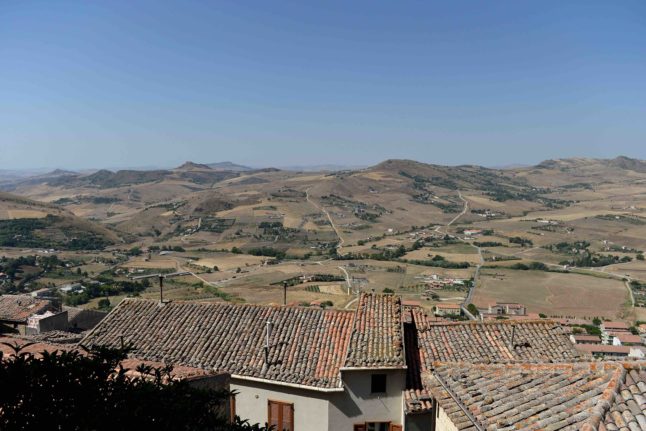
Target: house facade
24, 314
296, 368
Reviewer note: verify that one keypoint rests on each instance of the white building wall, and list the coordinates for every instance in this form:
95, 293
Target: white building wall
443, 422
310, 407
357, 405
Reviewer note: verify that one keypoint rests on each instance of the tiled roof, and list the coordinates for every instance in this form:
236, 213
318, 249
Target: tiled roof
18, 308
37, 348
629, 338
447, 306
604, 349
377, 339
628, 410
416, 397
594, 338
614, 325
481, 342
307, 346
529, 397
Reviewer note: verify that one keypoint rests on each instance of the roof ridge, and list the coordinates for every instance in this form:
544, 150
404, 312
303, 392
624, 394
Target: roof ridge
228, 304
607, 397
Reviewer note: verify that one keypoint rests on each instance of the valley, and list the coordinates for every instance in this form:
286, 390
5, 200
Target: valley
565, 237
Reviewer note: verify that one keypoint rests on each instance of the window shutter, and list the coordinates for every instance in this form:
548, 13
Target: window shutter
288, 417
274, 412
395, 428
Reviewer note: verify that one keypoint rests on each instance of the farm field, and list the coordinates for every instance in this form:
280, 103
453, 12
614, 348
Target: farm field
554, 294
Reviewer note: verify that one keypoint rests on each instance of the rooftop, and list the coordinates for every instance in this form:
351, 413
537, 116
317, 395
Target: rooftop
306, 346
582, 396
604, 349
448, 306
629, 338
615, 325
18, 308
377, 339
491, 341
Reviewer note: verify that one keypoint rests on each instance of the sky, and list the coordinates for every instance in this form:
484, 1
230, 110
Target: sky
91, 84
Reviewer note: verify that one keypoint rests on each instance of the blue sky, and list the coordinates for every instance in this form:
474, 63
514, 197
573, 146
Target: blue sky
136, 83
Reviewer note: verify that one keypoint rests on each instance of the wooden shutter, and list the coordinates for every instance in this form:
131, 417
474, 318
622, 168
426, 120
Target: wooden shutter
287, 417
281, 416
274, 413
232, 408
395, 428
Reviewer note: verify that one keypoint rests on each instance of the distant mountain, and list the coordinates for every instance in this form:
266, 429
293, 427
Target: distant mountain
228, 166
192, 166
620, 162
624, 162
321, 168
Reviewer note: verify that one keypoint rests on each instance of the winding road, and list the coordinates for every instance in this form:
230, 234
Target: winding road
327, 214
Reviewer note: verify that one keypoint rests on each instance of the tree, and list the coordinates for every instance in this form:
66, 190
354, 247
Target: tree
388, 290
473, 309
640, 256
82, 391
104, 304
134, 251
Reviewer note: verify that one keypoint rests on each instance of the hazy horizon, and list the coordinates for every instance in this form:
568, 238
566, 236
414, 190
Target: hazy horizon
105, 84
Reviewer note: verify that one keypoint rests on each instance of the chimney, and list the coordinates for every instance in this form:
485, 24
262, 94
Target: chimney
161, 289
285, 292
513, 333
267, 335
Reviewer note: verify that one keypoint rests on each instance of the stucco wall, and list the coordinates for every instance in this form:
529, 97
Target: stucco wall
310, 407
443, 422
358, 405
53, 323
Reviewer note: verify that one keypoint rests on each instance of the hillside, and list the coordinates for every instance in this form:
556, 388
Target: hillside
27, 223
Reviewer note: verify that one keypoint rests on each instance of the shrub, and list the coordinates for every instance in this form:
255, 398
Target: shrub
92, 391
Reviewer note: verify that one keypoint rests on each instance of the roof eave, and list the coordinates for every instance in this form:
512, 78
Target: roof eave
290, 385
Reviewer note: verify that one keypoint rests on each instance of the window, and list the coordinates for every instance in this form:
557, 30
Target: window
377, 426
378, 384
281, 416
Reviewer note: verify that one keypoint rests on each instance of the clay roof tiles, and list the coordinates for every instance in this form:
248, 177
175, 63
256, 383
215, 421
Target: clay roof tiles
491, 341
377, 339
306, 346
18, 308
526, 397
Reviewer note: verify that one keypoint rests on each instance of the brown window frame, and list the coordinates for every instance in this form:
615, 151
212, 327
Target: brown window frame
280, 404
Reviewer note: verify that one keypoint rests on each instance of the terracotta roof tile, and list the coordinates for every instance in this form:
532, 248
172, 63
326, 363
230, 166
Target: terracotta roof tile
628, 411
526, 397
377, 339
481, 342
18, 308
307, 346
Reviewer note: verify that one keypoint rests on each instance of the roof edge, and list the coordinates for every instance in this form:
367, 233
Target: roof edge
290, 385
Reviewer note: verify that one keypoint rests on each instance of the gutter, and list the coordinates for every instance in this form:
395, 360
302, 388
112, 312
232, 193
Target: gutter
290, 385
